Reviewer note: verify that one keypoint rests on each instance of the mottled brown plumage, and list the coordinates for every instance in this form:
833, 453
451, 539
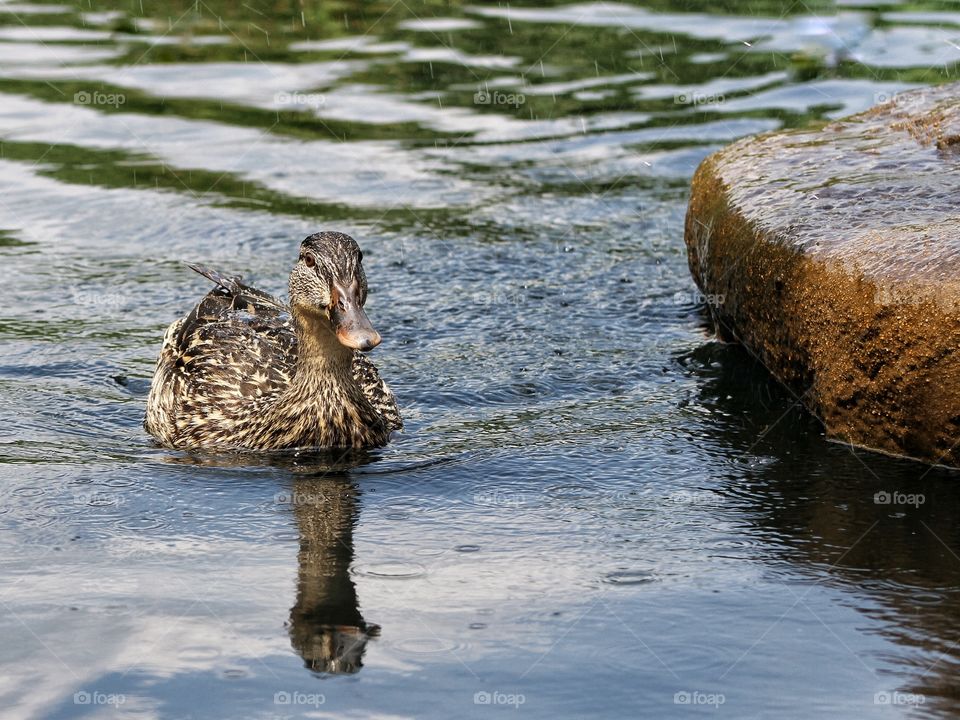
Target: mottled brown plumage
245, 371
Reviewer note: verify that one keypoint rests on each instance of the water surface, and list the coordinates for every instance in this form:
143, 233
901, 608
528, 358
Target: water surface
596, 510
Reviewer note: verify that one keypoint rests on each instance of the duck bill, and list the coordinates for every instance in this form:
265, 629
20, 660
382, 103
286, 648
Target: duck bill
350, 322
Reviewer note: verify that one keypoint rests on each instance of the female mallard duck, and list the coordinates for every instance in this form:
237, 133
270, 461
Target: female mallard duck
244, 371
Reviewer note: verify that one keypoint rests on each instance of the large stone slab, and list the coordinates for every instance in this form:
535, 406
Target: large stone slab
833, 255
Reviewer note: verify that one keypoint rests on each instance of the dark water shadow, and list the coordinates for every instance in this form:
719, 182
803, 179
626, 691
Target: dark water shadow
883, 530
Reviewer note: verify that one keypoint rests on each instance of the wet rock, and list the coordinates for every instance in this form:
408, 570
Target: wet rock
833, 255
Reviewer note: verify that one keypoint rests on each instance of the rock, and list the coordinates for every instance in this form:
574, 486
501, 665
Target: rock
833, 255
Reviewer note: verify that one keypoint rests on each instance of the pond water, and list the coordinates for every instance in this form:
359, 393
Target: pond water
596, 509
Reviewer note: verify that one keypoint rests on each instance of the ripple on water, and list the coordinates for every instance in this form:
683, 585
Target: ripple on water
58, 509
399, 570
630, 577
571, 491
28, 491
116, 481
286, 537
104, 500
736, 543
429, 552
687, 660
141, 523
927, 598
404, 507
428, 645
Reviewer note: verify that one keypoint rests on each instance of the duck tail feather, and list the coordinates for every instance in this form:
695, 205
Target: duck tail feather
231, 284
235, 287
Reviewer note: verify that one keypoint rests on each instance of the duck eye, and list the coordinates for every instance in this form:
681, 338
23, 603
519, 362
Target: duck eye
309, 261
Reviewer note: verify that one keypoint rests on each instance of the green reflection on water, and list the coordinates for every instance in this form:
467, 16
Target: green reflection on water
581, 71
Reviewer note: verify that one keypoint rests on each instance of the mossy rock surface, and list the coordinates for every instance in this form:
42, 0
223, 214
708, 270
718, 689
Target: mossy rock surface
833, 255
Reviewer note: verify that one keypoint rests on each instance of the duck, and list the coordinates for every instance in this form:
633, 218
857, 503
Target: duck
246, 371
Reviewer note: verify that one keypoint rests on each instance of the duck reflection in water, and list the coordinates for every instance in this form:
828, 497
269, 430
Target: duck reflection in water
326, 628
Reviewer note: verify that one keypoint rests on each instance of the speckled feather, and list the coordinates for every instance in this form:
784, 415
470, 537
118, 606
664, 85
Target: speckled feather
229, 375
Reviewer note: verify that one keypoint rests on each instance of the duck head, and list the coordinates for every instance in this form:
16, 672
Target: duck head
328, 284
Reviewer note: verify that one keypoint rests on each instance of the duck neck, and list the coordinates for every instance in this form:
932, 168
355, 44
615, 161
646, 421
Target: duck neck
324, 405
321, 357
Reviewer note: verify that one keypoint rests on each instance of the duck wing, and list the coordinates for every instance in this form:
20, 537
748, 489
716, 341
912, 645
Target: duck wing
237, 338
376, 390
235, 347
